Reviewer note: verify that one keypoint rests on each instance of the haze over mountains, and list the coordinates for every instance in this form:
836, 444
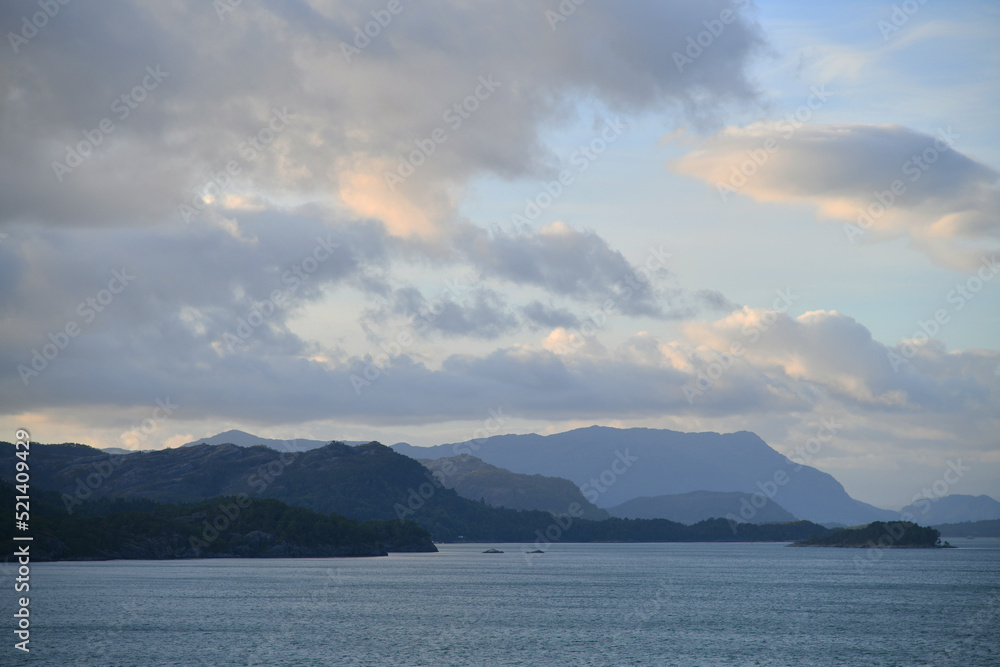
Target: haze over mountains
244, 439
368, 481
955, 508
362, 482
664, 462
475, 479
694, 506
646, 473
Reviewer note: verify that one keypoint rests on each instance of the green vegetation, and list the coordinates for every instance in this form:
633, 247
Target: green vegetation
474, 479
990, 528
882, 534
119, 498
696, 506
220, 527
709, 530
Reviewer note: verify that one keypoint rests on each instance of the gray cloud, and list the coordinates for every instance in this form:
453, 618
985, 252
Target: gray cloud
549, 317
224, 79
176, 294
883, 181
566, 262
477, 312
162, 103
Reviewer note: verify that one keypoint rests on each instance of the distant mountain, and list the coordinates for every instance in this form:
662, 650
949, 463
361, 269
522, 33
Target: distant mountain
369, 481
244, 439
612, 466
364, 482
955, 508
697, 506
970, 529
475, 479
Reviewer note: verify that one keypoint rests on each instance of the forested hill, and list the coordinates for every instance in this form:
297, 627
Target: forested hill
362, 483
880, 534
230, 527
475, 479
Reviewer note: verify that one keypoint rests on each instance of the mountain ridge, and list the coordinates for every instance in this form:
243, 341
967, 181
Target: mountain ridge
475, 479
694, 506
244, 439
673, 462
953, 508
365, 482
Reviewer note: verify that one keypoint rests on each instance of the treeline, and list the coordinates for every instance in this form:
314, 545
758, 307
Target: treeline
221, 527
709, 530
882, 534
987, 528
393, 495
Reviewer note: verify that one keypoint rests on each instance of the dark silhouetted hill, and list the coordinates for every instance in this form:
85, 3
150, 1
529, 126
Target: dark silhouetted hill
475, 479
697, 506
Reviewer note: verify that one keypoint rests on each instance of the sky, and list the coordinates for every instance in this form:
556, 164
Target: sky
429, 222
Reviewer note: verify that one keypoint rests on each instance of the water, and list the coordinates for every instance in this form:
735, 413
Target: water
595, 604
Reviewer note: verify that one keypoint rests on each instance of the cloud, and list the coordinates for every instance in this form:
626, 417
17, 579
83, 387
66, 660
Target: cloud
206, 154
459, 311
885, 181
549, 317
157, 338
269, 90
567, 262
825, 355
148, 304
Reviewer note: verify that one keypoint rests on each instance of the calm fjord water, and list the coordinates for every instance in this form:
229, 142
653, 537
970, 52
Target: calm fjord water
594, 604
